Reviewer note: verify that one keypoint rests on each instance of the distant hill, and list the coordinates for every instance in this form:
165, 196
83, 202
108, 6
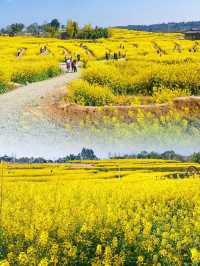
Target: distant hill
165, 27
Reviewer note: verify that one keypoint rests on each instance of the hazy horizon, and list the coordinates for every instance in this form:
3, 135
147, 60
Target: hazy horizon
126, 12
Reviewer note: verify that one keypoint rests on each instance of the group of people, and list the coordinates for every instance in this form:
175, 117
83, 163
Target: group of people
71, 65
115, 56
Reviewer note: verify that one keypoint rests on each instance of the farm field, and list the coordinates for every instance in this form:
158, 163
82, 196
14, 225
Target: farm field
110, 212
30, 66
131, 98
159, 66
99, 133
151, 68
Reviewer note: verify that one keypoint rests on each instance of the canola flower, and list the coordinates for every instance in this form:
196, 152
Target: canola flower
32, 66
140, 68
141, 219
91, 216
136, 128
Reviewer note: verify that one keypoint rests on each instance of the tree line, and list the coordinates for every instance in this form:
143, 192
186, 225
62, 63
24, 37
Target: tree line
168, 155
88, 154
55, 29
164, 27
85, 154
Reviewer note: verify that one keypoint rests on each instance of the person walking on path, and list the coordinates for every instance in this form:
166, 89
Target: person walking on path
74, 66
69, 65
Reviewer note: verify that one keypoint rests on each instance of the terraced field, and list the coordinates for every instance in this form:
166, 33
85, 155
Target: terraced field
103, 169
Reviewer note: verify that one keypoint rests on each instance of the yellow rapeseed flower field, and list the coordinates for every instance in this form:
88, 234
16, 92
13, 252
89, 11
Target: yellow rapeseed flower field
30, 65
112, 212
147, 60
147, 63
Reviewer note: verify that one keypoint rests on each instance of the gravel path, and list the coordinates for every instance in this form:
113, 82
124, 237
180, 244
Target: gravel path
26, 132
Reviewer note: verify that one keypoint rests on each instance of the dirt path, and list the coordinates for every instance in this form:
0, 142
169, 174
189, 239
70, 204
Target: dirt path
24, 128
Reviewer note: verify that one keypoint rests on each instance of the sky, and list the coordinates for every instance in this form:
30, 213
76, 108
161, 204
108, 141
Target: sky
99, 12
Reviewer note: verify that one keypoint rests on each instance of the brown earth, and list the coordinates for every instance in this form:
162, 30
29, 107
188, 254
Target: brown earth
72, 113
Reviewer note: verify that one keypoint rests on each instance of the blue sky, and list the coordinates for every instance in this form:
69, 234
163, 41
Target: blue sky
99, 12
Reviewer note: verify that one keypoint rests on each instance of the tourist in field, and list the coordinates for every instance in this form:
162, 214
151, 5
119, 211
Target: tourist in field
19, 52
43, 50
74, 66
78, 57
107, 56
69, 64
115, 56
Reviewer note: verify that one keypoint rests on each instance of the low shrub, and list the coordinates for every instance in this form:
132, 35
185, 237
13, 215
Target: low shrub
3, 87
4, 79
163, 94
111, 76
35, 74
83, 93
196, 157
127, 78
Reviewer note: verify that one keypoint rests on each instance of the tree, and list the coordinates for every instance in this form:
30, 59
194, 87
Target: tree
52, 31
55, 24
76, 29
3, 31
87, 154
49, 30
87, 28
142, 155
154, 155
34, 29
88, 32
72, 29
196, 157
13, 29
169, 155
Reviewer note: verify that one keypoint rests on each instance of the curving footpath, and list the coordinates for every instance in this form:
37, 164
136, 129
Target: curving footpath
24, 130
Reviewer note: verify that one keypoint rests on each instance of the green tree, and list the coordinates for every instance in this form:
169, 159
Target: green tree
87, 31
87, 28
55, 24
196, 157
49, 30
87, 154
72, 29
33, 29
13, 29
